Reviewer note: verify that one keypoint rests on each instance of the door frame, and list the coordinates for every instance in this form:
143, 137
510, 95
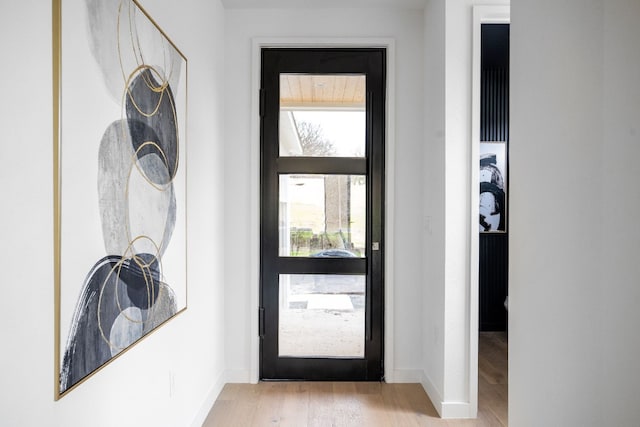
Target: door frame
254, 258
482, 14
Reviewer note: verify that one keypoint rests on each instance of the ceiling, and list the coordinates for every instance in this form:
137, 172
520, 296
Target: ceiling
321, 4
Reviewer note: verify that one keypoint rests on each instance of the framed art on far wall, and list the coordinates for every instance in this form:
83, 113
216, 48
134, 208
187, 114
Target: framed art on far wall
493, 188
120, 267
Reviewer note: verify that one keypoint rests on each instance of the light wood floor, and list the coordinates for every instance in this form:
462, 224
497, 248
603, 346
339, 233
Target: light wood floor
338, 404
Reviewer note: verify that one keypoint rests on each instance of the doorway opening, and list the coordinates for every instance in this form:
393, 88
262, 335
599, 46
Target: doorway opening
491, 146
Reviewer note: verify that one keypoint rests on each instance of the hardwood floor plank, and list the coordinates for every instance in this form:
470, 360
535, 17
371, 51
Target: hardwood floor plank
269, 405
320, 404
295, 408
399, 406
368, 387
490, 373
375, 414
348, 408
493, 357
231, 413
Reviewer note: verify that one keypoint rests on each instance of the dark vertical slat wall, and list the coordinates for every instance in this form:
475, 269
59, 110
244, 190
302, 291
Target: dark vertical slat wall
494, 127
494, 82
493, 281
494, 114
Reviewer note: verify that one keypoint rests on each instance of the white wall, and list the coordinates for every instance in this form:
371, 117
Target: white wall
449, 346
406, 28
433, 292
134, 389
574, 271
620, 293
458, 26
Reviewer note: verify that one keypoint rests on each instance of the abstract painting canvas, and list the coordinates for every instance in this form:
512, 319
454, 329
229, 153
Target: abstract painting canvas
493, 188
120, 88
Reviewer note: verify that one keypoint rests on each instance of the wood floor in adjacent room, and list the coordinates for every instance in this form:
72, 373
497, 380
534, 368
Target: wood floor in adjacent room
355, 404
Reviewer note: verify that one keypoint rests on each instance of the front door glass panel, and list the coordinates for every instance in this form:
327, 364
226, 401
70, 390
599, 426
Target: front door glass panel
321, 315
322, 215
322, 115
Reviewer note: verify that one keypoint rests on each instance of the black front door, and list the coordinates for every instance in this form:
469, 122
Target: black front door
322, 198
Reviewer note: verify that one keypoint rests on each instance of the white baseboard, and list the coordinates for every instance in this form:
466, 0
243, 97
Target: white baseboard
240, 376
432, 391
445, 409
404, 376
456, 410
209, 400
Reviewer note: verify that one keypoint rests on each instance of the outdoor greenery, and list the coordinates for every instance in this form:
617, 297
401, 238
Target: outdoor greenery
304, 242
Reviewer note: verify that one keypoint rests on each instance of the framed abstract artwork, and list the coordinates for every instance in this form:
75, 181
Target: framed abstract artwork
120, 267
493, 188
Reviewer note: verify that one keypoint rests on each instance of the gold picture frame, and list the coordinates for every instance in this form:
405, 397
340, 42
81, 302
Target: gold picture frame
119, 118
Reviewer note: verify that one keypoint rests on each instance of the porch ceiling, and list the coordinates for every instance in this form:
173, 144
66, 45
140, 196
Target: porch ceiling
322, 91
